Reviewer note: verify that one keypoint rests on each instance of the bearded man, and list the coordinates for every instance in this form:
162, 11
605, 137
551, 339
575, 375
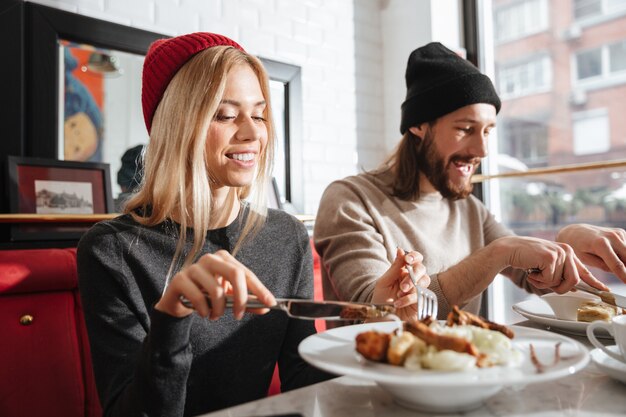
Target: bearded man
420, 199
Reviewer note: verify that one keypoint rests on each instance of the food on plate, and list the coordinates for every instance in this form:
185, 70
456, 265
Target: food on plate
457, 316
592, 311
373, 345
356, 312
464, 342
541, 367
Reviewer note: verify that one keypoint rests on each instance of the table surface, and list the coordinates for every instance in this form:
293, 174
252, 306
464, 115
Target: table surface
589, 392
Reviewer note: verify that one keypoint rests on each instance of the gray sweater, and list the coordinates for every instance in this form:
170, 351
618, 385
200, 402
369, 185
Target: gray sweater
360, 224
148, 363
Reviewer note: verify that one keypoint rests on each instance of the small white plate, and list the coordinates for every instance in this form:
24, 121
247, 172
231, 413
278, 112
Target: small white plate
612, 367
538, 311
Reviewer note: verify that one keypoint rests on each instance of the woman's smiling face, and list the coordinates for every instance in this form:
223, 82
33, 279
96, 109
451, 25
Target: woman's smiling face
237, 135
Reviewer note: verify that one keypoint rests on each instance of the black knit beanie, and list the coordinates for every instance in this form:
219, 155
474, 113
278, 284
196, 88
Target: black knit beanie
439, 82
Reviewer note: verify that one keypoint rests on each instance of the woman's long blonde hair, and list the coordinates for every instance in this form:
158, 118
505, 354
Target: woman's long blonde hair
176, 184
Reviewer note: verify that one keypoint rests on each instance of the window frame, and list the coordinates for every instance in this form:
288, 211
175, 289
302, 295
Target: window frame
290, 76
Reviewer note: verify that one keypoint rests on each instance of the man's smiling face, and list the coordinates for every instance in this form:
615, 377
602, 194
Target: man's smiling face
452, 147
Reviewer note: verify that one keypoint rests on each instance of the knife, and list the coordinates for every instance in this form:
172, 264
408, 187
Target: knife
606, 296
313, 310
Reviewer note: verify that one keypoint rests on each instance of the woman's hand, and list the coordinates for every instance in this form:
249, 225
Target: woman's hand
395, 285
215, 275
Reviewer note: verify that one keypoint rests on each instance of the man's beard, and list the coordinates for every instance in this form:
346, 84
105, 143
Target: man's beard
433, 166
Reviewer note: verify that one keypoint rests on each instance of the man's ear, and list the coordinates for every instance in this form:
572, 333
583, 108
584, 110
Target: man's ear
419, 130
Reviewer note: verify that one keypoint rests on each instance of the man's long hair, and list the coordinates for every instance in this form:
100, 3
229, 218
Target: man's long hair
404, 166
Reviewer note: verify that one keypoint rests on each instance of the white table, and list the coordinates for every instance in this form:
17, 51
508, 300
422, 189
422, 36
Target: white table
586, 393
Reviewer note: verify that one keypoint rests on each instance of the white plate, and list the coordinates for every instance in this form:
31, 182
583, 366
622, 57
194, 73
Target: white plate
538, 311
334, 351
612, 367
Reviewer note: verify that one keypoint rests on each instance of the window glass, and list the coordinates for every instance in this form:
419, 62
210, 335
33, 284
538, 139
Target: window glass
526, 141
586, 8
521, 19
517, 79
617, 56
615, 5
591, 132
562, 107
589, 64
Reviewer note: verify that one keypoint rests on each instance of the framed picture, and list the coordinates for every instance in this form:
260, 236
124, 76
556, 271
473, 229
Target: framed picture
49, 187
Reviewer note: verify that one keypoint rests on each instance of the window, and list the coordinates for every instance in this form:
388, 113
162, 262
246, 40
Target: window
555, 133
590, 8
586, 8
606, 63
525, 141
281, 157
521, 19
589, 64
527, 77
286, 96
591, 132
617, 57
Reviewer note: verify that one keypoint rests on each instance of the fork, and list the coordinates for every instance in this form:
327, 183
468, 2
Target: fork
427, 304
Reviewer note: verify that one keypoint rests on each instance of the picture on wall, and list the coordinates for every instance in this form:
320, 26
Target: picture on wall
60, 197
50, 186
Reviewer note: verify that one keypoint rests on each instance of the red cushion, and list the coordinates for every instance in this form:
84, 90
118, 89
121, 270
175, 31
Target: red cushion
318, 293
42, 367
37, 270
46, 365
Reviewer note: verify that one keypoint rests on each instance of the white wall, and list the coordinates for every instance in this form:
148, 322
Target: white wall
407, 25
352, 53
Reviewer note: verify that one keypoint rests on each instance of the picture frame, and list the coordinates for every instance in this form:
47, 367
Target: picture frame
53, 187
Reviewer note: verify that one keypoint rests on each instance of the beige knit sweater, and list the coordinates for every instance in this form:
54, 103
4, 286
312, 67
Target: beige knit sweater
360, 224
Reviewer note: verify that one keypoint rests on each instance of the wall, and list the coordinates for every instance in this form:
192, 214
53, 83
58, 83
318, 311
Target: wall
406, 25
352, 54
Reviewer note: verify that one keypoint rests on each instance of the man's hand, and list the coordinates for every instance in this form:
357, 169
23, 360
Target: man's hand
396, 286
549, 264
600, 247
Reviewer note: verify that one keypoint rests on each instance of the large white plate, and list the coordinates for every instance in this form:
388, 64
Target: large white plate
538, 311
334, 351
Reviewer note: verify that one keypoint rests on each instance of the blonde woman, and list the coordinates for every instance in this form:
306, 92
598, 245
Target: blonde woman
198, 226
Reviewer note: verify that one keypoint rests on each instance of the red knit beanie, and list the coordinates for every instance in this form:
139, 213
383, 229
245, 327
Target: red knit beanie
163, 60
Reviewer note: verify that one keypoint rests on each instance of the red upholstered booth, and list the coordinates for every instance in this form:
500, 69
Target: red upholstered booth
45, 363
44, 352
